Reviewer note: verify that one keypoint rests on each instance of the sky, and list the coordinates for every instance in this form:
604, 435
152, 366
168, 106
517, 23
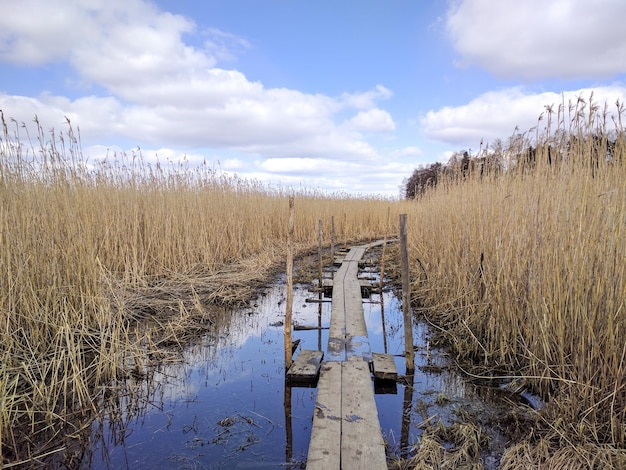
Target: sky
338, 96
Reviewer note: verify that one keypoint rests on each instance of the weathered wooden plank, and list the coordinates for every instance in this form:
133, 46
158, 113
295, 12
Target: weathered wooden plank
364, 283
362, 444
384, 366
325, 446
346, 431
336, 333
306, 366
356, 253
348, 331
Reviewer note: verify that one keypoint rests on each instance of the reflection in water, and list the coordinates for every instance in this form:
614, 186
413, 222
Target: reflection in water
225, 403
407, 406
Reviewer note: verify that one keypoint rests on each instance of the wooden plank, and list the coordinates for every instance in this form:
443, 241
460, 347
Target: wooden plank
348, 331
364, 283
325, 446
306, 366
336, 334
357, 341
384, 366
362, 444
346, 430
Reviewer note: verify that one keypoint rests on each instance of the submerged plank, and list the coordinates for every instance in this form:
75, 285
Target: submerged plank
306, 366
384, 366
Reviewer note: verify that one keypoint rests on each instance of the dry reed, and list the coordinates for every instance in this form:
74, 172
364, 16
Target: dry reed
527, 273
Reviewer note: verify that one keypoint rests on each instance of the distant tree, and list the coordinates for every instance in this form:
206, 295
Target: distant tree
423, 177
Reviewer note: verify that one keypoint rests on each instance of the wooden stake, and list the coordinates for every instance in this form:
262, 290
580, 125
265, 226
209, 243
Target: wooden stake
332, 238
406, 298
382, 278
345, 230
382, 257
319, 252
289, 302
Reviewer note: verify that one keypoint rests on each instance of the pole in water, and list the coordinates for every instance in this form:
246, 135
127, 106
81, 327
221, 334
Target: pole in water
320, 268
406, 298
289, 302
332, 238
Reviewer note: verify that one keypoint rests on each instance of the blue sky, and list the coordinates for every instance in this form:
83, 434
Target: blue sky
342, 96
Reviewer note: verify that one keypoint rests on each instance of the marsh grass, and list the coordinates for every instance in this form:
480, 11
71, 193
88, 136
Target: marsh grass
457, 446
104, 264
527, 274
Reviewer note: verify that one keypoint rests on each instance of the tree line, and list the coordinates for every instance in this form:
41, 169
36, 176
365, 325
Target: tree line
516, 155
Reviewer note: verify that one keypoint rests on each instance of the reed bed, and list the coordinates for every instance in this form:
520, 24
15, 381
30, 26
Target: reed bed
103, 264
526, 278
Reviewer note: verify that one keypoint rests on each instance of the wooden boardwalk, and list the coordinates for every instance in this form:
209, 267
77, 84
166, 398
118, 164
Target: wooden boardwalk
346, 431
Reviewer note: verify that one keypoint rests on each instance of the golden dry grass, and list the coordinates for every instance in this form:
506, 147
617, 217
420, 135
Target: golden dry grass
527, 276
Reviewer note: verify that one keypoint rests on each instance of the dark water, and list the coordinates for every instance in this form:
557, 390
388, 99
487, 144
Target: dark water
225, 404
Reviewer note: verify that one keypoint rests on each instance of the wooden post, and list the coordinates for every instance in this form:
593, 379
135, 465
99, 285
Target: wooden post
382, 279
345, 230
382, 257
332, 238
289, 306
320, 266
406, 298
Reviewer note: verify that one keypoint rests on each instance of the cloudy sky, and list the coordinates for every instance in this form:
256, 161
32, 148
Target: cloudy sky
344, 95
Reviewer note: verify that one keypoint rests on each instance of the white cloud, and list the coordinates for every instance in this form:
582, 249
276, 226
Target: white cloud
224, 45
352, 177
163, 91
497, 114
158, 91
534, 38
366, 99
304, 166
233, 164
34, 32
374, 120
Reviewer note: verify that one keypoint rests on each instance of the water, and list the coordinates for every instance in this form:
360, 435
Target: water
225, 403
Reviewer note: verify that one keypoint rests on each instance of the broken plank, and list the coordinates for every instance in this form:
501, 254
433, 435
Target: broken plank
306, 366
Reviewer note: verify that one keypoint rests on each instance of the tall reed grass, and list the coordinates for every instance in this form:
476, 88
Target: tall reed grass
92, 252
527, 272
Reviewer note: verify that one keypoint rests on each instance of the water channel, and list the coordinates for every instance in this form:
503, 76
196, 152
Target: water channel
225, 403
